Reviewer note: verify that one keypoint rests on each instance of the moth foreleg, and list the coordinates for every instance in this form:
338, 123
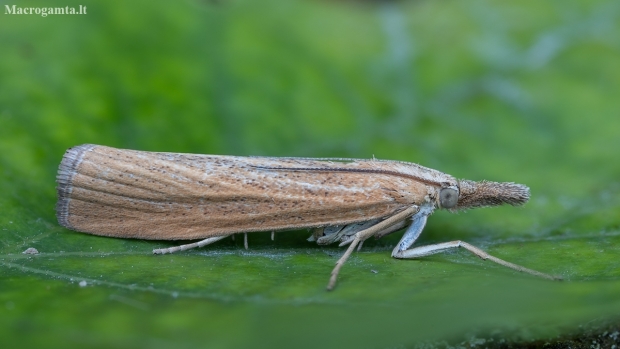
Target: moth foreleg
437, 248
201, 243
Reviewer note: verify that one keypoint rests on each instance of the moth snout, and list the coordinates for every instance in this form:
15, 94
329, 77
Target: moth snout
486, 193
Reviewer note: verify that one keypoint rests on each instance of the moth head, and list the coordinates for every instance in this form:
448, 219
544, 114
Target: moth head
478, 194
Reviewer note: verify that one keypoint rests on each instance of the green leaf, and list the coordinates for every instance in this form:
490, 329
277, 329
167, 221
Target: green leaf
521, 92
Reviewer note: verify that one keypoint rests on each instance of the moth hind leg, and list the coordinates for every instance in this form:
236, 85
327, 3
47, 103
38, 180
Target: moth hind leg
186, 247
427, 250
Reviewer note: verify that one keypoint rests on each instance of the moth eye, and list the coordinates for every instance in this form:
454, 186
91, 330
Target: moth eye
448, 197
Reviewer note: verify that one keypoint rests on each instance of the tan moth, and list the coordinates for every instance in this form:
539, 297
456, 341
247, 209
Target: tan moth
172, 196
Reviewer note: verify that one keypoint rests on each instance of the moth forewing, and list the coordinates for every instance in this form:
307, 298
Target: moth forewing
168, 196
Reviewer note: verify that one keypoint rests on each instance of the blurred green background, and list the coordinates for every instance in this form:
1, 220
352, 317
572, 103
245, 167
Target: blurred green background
524, 92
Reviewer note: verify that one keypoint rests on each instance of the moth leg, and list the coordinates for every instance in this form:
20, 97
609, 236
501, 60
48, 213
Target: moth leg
437, 248
201, 243
418, 221
365, 234
396, 227
389, 230
402, 250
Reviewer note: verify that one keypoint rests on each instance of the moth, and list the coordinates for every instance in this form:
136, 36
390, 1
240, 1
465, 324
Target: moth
171, 196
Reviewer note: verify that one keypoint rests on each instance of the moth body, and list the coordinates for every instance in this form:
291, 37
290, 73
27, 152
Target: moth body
170, 196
